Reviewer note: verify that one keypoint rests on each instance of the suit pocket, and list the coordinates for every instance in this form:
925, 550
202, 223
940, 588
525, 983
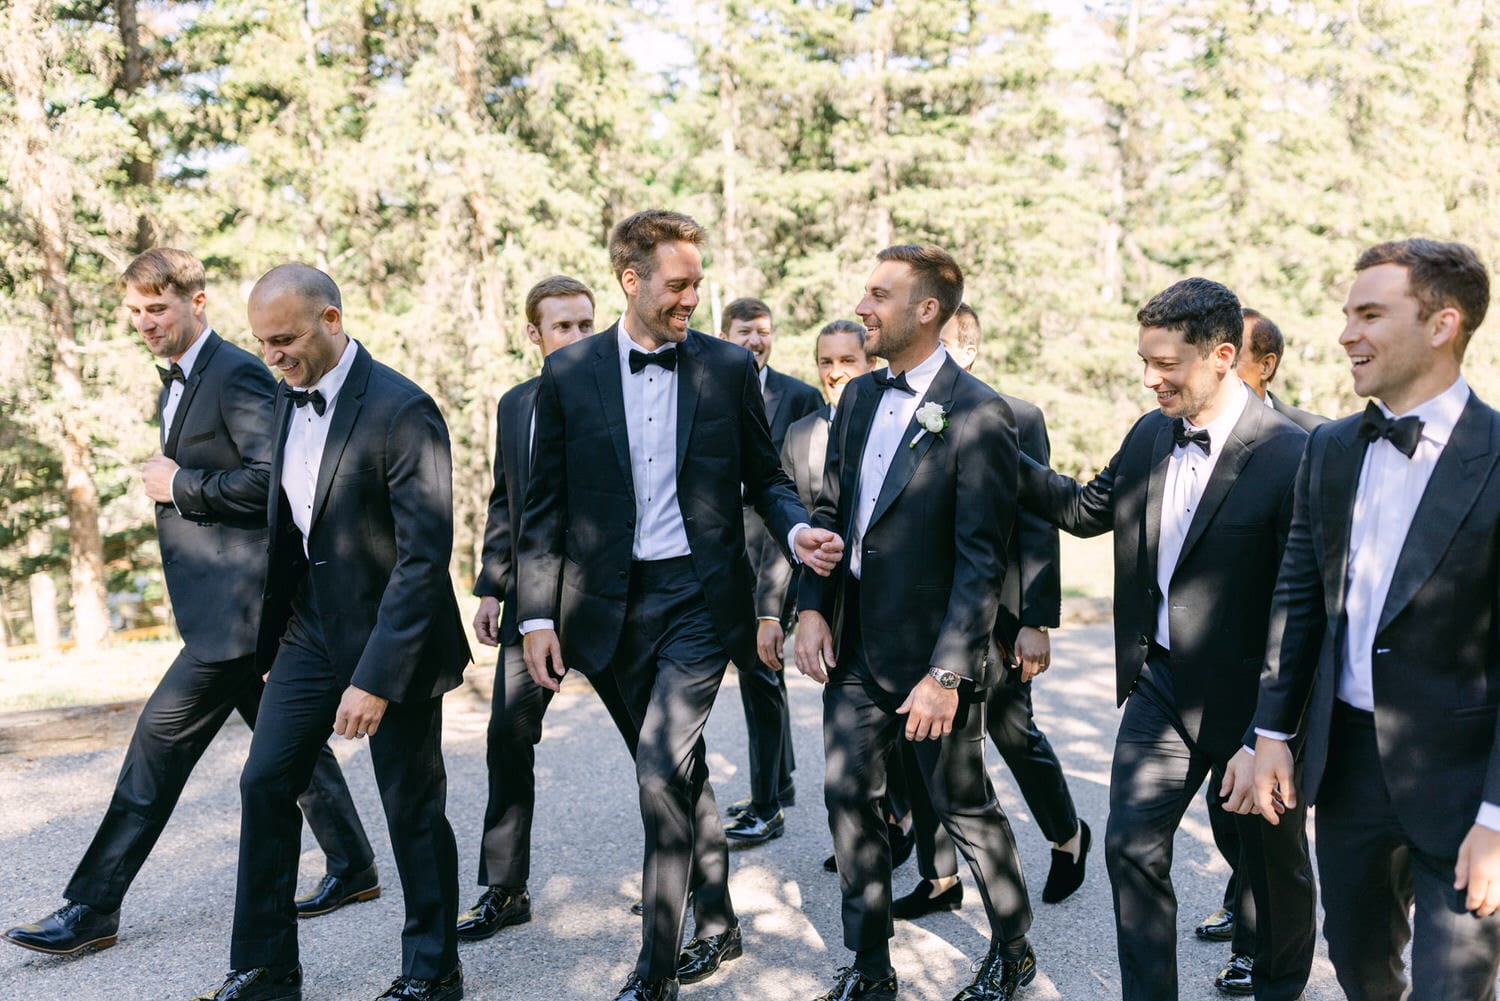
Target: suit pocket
199, 438
1473, 712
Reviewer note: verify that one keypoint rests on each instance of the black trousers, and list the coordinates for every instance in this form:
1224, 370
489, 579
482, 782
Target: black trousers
183, 714
1225, 827
669, 665
1372, 875
768, 724
1029, 756
1156, 773
516, 712
297, 714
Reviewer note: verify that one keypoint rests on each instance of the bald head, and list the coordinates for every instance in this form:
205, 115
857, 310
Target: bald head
296, 314
306, 283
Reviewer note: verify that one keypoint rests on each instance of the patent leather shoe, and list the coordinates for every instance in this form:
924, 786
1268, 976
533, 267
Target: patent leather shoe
259, 983
1066, 874
334, 892
70, 929
998, 978
496, 908
751, 829
921, 901
1237, 976
701, 957
852, 985
636, 989
1217, 927
787, 797
404, 988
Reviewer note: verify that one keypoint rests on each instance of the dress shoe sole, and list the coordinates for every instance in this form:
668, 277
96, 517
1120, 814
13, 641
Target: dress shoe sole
353, 898
1236, 991
473, 935
733, 952
751, 842
1214, 936
93, 945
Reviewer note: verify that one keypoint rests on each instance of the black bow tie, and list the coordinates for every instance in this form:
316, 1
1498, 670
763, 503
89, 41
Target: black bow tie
640, 359
301, 398
885, 380
1403, 432
171, 375
1182, 435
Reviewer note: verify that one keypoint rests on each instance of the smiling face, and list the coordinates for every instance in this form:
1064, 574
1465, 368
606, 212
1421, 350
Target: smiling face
1187, 383
660, 305
166, 321
297, 340
754, 335
892, 318
841, 357
1394, 354
561, 320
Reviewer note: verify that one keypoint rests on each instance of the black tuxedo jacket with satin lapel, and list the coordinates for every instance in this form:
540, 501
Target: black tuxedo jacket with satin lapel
1304, 420
1032, 595
381, 539
579, 524
497, 570
1436, 659
788, 400
1222, 584
932, 559
213, 540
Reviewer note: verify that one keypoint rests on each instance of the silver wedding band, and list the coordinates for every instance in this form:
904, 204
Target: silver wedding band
359, 733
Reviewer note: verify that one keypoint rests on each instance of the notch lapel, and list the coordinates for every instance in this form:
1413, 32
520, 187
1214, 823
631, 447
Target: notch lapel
1156, 485
1237, 451
690, 379
817, 452
773, 396
1338, 487
852, 447
612, 398
904, 462
346, 408
521, 439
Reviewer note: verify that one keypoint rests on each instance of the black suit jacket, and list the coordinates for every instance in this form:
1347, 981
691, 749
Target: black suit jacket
497, 576
1221, 587
1032, 595
579, 523
932, 560
1304, 420
788, 400
381, 539
213, 539
1436, 660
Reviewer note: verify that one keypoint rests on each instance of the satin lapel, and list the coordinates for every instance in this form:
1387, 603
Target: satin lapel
904, 462
612, 399
852, 448
773, 396
1461, 471
1156, 485
522, 438
346, 408
283, 425
1237, 451
1338, 485
189, 390
161, 420
817, 453
690, 379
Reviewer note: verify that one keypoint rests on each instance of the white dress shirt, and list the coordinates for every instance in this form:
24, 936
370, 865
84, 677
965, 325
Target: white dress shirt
893, 413
651, 425
1188, 471
303, 455
174, 400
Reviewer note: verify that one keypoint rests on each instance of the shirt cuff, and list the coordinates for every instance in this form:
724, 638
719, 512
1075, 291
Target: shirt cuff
1489, 816
1274, 734
530, 625
791, 540
172, 489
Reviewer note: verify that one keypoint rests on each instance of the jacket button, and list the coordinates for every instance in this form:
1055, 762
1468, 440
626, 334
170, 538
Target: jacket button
1144, 640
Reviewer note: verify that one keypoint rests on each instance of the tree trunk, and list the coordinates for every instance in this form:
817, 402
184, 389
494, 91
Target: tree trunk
1116, 229
880, 114
729, 112
141, 167
43, 593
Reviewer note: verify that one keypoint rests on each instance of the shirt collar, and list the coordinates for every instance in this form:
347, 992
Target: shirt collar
1439, 414
919, 377
628, 343
190, 356
1220, 428
333, 379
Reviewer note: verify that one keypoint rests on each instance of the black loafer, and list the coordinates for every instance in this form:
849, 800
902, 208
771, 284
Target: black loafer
921, 902
752, 829
852, 985
70, 929
259, 983
636, 989
449, 988
1217, 927
334, 892
1066, 875
1236, 977
496, 908
998, 978
701, 957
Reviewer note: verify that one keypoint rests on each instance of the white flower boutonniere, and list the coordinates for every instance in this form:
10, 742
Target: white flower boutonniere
934, 420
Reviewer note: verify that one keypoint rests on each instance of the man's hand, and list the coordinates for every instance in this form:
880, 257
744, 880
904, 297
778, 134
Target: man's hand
814, 647
769, 643
157, 475
819, 549
1273, 790
487, 621
929, 710
1034, 651
543, 655
1238, 788
359, 714
1478, 869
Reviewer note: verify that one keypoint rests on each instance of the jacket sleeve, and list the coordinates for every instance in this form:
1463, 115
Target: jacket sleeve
767, 487
247, 404
1082, 509
539, 552
496, 560
1037, 540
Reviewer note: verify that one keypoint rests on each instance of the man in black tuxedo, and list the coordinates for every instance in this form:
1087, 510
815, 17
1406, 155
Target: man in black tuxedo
209, 484
768, 722
1030, 605
1385, 643
1260, 356
359, 632
905, 657
633, 565
1199, 499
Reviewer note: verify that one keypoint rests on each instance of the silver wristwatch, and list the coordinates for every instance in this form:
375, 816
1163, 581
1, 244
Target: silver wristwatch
947, 679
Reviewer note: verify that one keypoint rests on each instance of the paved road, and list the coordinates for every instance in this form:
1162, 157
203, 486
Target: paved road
582, 941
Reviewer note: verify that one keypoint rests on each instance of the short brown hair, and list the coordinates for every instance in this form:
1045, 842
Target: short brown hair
553, 287
938, 275
1440, 275
965, 327
163, 268
743, 309
632, 244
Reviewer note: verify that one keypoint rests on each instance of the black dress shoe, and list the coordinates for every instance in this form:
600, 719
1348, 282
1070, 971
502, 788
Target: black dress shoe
496, 908
334, 892
638, 908
855, 986
1217, 927
752, 829
70, 929
700, 958
259, 983
636, 989
1235, 978
921, 902
998, 978
787, 797
831, 864
449, 988
1066, 875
